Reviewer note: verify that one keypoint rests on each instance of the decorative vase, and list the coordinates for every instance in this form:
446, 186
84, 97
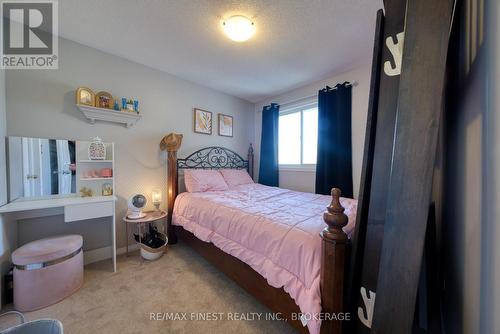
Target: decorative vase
97, 149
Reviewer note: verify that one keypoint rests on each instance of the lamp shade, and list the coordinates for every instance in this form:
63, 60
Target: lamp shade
156, 196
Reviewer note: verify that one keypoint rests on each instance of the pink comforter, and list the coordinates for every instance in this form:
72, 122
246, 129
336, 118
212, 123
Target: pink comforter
273, 230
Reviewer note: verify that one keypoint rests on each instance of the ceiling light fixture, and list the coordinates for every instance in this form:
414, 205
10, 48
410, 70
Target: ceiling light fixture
239, 28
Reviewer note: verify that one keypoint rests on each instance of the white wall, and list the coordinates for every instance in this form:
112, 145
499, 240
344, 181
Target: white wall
490, 294
304, 180
462, 201
471, 188
41, 103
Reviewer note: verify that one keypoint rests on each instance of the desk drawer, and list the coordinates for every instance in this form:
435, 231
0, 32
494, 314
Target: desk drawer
87, 211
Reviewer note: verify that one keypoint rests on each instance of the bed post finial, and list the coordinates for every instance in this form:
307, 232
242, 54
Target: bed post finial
171, 143
335, 218
250, 160
334, 251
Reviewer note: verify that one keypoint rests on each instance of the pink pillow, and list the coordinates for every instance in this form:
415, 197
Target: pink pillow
235, 177
200, 180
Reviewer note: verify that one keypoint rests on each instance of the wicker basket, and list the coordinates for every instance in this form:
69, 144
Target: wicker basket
152, 254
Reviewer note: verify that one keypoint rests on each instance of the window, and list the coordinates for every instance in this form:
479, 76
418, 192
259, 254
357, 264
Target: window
298, 136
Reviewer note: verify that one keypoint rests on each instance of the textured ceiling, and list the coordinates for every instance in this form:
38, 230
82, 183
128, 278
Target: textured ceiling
297, 41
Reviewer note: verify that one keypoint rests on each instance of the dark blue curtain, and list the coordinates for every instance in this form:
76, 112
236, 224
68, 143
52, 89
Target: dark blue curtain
334, 160
268, 171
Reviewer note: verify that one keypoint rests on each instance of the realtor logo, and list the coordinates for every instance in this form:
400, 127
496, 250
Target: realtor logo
29, 34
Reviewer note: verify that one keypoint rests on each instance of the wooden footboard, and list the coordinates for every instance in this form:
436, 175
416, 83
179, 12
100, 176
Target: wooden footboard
335, 249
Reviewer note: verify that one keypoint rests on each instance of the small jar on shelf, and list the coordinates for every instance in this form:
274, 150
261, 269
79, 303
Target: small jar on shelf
97, 149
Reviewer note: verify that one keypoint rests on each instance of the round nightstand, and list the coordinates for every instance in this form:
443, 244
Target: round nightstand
151, 217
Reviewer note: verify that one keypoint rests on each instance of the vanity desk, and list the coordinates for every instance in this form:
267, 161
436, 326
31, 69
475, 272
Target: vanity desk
74, 208
47, 178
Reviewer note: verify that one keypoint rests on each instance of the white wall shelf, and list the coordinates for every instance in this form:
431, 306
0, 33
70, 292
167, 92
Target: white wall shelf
86, 167
109, 115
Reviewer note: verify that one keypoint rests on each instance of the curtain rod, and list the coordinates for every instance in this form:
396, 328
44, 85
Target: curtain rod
352, 84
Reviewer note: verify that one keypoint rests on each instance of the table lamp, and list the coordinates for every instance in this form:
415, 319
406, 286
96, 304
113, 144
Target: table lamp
156, 198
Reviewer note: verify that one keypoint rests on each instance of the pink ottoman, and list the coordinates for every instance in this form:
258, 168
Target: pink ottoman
46, 271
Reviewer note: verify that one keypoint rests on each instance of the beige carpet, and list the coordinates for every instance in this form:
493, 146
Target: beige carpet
180, 281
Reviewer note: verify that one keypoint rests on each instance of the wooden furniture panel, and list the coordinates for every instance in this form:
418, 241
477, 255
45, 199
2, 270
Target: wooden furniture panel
370, 222
359, 237
427, 31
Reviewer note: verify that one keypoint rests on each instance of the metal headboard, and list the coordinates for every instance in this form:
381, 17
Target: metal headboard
214, 157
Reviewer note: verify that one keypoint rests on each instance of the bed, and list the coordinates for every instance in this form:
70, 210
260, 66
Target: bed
267, 239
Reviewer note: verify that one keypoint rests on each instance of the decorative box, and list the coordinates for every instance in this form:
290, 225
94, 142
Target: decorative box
106, 172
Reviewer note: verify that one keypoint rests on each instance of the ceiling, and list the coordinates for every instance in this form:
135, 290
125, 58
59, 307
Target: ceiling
297, 41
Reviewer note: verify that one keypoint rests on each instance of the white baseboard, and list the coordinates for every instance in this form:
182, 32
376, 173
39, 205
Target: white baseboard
104, 253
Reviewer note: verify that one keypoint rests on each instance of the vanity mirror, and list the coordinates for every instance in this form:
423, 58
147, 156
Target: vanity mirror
40, 167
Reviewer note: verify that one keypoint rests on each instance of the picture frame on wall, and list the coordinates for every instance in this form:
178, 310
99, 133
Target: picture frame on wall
225, 125
202, 121
85, 96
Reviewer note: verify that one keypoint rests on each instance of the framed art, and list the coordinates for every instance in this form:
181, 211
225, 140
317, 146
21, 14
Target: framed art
85, 96
225, 125
202, 121
104, 100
